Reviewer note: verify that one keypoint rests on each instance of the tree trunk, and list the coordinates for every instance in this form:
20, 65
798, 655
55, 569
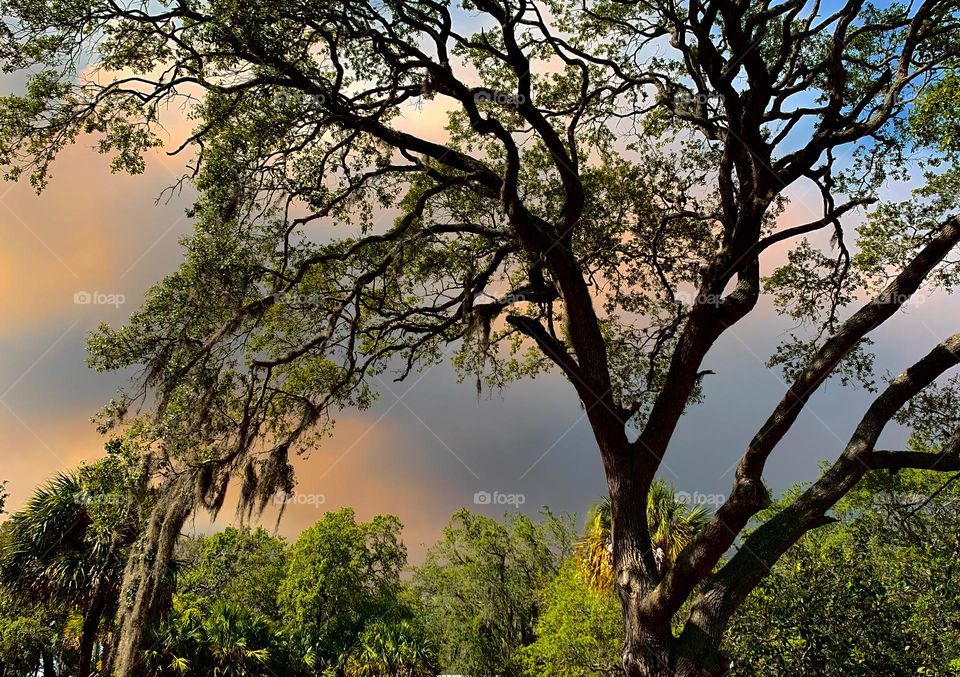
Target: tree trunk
142, 593
88, 638
48, 668
650, 649
654, 652
647, 650
646, 653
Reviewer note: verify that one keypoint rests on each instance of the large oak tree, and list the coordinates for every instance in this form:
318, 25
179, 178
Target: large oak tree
603, 202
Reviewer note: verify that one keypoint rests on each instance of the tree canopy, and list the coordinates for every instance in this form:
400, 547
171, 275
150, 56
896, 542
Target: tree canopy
341, 576
479, 587
873, 593
240, 567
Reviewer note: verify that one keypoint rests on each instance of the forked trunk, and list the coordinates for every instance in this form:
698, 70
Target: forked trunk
647, 652
654, 652
650, 649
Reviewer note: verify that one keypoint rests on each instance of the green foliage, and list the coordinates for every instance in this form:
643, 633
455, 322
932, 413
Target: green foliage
911, 522
218, 639
240, 567
874, 594
23, 642
673, 523
935, 118
823, 609
579, 632
480, 588
68, 546
593, 551
399, 649
28, 632
331, 603
225, 616
341, 576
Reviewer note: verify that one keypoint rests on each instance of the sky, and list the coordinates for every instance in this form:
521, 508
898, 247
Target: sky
85, 251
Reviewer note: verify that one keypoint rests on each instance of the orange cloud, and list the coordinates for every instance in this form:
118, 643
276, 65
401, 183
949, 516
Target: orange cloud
88, 231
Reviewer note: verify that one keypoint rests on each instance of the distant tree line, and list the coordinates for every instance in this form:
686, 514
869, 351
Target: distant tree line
877, 592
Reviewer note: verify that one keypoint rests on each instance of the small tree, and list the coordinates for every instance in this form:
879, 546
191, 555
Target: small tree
29, 638
241, 567
480, 588
579, 631
341, 575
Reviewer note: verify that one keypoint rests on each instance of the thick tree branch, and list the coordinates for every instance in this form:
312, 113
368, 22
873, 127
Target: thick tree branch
727, 589
901, 460
748, 494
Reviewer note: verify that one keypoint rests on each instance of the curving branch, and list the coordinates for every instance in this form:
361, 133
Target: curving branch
728, 587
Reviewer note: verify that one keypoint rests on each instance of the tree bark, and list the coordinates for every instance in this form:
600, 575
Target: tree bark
648, 643
106, 656
645, 653
48, 666
88, 638
142, 591
654, 652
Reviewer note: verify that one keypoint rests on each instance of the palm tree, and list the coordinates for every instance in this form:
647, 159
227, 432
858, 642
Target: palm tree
395, 649
178, 644
49, 559
67, 547
238, 640
672, 523
594, 552
220, 639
